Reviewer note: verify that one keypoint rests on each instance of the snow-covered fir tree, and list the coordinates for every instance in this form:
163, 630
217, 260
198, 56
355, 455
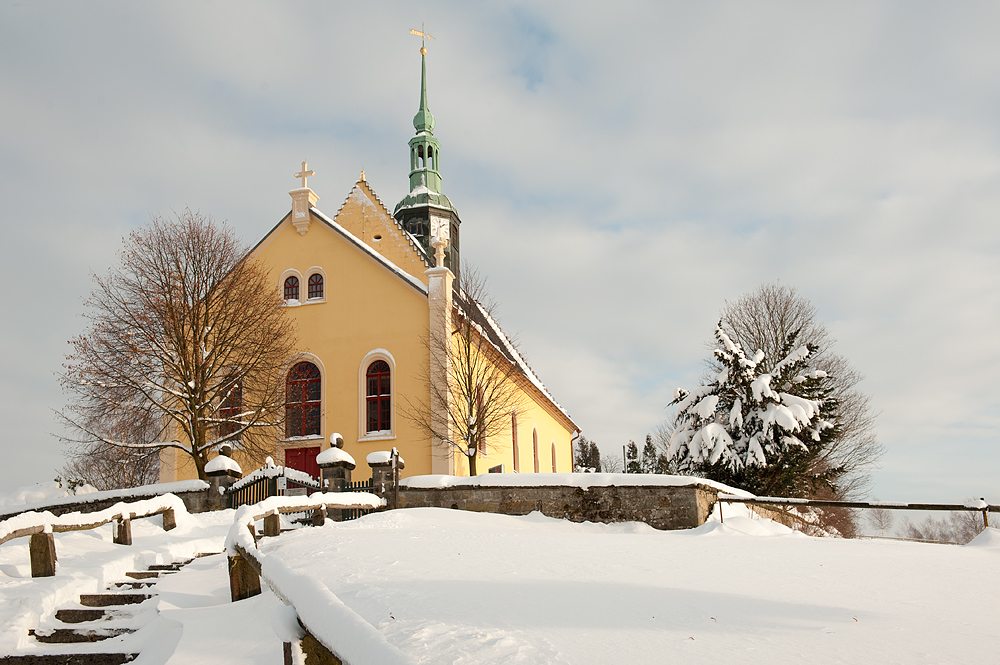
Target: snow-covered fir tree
651, 462
757, 430
632, 463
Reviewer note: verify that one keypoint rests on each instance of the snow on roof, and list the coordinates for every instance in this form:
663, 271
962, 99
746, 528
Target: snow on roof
582, 480
487, 326
360, 244
333, 455
222, 463
381, 457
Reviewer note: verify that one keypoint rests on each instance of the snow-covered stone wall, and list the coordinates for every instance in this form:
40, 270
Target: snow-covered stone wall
660, 505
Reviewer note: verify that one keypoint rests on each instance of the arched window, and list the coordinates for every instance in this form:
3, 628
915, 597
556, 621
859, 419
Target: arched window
379, 397
229, 411
553, 457
534, 448
315, 286
514, 443
303, 389
291, 288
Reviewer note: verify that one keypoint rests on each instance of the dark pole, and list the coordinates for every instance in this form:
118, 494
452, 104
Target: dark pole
395, 478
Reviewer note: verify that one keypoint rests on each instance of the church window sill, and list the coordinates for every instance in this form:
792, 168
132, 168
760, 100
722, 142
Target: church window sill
377, 436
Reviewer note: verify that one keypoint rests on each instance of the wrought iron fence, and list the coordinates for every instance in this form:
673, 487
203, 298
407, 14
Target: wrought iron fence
265, 486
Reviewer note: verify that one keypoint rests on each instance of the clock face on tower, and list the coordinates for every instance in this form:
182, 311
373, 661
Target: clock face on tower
439, 227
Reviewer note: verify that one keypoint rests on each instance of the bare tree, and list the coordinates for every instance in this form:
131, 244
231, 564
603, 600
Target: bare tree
958, 526
112, 467
485, 384
762, 320
186, 344
879, 518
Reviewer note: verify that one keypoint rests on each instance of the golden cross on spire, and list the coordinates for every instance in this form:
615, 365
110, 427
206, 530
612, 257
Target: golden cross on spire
423, 35
304, 174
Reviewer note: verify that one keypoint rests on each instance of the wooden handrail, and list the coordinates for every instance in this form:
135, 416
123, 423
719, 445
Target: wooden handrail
323, 614
41, 526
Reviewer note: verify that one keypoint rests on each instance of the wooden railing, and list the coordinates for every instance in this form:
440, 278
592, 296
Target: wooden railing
328, 623
979, 507
41, 527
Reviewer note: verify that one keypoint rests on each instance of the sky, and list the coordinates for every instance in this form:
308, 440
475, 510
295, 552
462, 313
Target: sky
621, 172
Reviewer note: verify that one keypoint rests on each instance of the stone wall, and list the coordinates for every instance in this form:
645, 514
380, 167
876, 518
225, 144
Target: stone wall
195, 502
661, 507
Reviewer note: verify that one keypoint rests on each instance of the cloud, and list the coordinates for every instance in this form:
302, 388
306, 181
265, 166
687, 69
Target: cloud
621, 172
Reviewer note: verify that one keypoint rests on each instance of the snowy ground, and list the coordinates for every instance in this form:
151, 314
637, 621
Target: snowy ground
455, 587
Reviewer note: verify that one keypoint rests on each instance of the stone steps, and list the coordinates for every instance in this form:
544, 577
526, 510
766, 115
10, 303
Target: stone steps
97, 609
134, 585
80, 616
112, 599
76, 635
143, 574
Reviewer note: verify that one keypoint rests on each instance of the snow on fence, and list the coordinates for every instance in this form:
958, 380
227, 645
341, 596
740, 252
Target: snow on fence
41, 526
338, 628
979, 506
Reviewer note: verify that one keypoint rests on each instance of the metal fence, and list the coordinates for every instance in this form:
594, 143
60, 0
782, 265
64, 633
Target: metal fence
280, 485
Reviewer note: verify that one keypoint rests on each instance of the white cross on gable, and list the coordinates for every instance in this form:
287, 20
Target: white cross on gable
304, 174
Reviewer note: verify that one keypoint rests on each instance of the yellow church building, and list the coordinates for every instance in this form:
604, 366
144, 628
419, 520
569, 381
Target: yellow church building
370, 292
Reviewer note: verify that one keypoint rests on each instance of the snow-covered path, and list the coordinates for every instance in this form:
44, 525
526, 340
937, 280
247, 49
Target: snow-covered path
202, 625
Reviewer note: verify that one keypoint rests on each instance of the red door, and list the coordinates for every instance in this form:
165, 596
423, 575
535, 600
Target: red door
303, 459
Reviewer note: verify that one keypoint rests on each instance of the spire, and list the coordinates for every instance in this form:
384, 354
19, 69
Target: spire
423, 121
426, 213
424, 148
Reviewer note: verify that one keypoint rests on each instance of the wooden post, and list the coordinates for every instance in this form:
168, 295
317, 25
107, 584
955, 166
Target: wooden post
272, 525
319, 516
123, 531
243, 579
986, 519
169, 519
42, 549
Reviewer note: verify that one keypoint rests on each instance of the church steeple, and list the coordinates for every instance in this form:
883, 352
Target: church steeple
424, 148
425, 208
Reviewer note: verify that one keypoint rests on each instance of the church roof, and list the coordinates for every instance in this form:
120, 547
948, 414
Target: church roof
489, 328
420, 196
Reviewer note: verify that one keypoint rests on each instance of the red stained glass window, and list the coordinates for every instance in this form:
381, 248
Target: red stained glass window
316, 286
302, 400
379, 397
292, 288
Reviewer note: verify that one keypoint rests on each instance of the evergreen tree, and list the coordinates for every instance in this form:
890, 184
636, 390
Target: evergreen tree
587, 457
760, 431
632, 464
650, 457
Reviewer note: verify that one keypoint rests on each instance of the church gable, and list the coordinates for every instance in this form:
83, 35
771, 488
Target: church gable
366, 218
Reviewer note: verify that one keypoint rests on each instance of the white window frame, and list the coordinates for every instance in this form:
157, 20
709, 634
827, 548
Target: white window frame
304, 284
291, 272
363, 433
292, 362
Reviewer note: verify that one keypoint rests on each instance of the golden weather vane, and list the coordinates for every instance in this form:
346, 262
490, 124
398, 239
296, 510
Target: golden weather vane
423, 36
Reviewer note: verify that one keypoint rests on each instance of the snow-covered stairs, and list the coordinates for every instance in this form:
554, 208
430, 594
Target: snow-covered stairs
99, 617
